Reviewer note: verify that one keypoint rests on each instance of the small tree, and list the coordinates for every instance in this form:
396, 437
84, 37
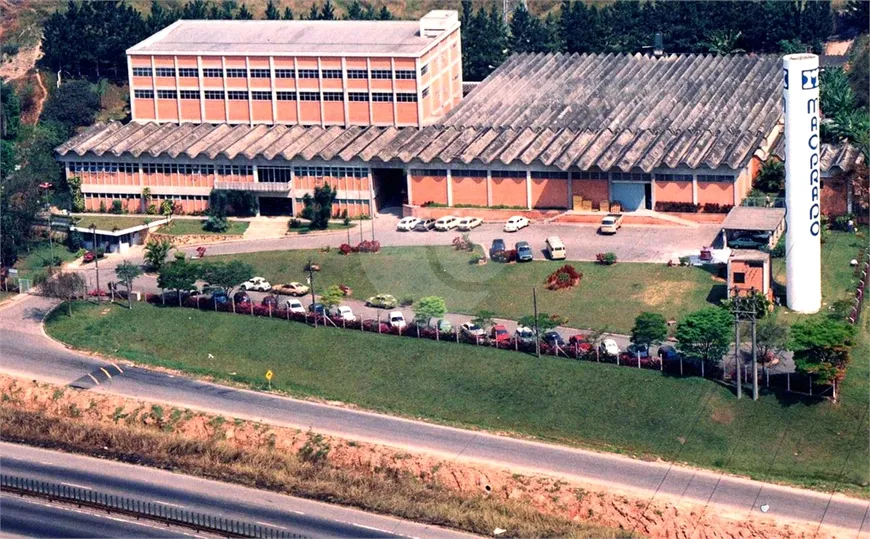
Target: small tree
166, 207
127, 272
428, 308
546, 322
649, 329
771, 338
318, 208
226, 275
179, 276
705, 334
771, 177
332, 296
156, 251
484, 318
64, 286
823, 348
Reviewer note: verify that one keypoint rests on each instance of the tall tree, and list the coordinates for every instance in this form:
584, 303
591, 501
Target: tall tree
195, 9
705, 335
65, 286
244, 14
822, 348
527, 31
226, 275
314, 13
272, 13
649, 329
318, 208
428, 308
288, 14
10, 111
160, 17
327, 13
179, 276
74, 104
384, 14
128, 272
355, 11
156, 252
859, 69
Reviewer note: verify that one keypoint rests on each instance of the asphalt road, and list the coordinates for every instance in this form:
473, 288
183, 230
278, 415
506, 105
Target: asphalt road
295, 515
27, 353
34, 517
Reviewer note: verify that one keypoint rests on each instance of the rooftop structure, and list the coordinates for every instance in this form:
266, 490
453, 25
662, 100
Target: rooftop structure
754, 219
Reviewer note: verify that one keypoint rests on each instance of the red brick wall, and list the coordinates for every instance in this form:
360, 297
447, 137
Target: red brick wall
468, 190
428, 189
508, 191
549, 193
715, 193
672, 191
594, 190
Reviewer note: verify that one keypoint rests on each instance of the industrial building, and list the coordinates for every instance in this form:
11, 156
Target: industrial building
543, 132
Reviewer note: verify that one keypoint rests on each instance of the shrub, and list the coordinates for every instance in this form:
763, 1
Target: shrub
406, 301
684, 261
681, 207
368, 246
151, 209
102, 206
475, 259
75, 241
564, 277
345, 249
510, 255
842, 222
606, 259
117, 207
216, 223
294, 223
778, 251
712, 207
462, 243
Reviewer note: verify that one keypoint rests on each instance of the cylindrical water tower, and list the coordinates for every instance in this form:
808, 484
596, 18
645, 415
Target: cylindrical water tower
802, 183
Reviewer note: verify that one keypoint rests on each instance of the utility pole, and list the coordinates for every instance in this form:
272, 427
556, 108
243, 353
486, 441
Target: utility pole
348, 235
737, 356
96, 260
745, 308
754, 363
50, 242
537, 337
311, 285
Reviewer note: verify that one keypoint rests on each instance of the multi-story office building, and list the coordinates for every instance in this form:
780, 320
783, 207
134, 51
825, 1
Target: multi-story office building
344, 73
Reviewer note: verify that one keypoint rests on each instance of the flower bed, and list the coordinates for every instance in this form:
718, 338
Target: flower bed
361, 247
565, 277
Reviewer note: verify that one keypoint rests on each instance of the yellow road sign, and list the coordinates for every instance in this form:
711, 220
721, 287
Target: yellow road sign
269, 375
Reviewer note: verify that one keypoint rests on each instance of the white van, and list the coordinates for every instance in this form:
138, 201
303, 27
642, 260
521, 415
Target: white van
555, 248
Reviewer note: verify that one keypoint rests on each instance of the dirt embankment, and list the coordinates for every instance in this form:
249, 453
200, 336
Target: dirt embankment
537, 505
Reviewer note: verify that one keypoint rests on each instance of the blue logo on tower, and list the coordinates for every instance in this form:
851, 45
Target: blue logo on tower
809, 79
785, 78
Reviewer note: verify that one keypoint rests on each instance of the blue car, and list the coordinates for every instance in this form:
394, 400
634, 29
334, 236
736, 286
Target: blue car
524, 251
317, 308
220, 297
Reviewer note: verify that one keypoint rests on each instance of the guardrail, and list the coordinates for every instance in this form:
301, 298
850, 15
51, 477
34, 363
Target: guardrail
140, 508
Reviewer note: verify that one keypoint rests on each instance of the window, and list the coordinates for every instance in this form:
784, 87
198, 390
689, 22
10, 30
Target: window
739, 277
285, 73
630, 176
424, 69
260, 74
406, 98
715, 178
358, 96
382, 97
470, 173
540, 175
214, 94
165, 71
308, 74
333, 96
425, 92
405, 74
236, 73
188, 72
286, 96
189, 94
674, 177
213, 73
141, 71
309, 96
331, 73
274, 174
236, 95
261, 96
428, 172
508, 174
167, 94
357, 74
382, 74
143, 94
590, 175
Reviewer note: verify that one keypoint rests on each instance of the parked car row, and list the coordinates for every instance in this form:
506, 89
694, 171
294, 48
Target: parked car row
450, 222
553, 246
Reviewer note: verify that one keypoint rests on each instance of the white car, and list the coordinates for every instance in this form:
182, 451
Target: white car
609, 347
397, 320
515, 223
448, 222
256, 283
342, 311
407, 223
294, 306
472, 330
467, 223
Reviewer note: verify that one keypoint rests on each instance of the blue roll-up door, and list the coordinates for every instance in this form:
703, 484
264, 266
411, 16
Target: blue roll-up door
632, 196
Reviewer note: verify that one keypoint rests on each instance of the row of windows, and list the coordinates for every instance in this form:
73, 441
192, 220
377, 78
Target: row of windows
549, 175
242, 95
156, 198
235, 170
93, 166
715, 178
508, 174
674, 177
332, 172
236, 73
630, 176
170, 168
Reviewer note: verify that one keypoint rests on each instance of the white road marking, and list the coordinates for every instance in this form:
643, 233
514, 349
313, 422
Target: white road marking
297, 512
76, 486
117, 367
94, 379
172, 504
106, 372
369, 528
270, 525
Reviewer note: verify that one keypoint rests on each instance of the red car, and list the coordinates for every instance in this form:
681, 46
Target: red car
580, 342
89, 257
499, 334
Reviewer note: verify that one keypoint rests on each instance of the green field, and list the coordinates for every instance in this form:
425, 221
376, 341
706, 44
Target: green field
637, 412
35, 259
608, 296
180, 227
112, 222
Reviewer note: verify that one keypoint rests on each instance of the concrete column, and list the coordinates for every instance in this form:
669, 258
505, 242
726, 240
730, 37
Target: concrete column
258, 205
226, 98
449, 188
154, 89
130, 85
419, 84
529, 189
256, 174
344, 92
570, 190
488, 187
393, 86
734, 189
273, 89
652, 193
141, 176
292, 194
408, 180
248, 86
296, 88
371, 193
694, 189
201, 89
320, 91
177, 88
369, 88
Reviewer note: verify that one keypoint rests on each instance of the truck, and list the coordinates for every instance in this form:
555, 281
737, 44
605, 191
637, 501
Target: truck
611, 223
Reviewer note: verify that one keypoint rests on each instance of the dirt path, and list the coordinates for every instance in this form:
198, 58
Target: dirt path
39, 99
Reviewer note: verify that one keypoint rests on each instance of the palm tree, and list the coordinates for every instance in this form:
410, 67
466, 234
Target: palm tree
724, 42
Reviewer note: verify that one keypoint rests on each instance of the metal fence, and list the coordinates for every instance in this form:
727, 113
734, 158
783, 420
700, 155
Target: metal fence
140, 508
763, 202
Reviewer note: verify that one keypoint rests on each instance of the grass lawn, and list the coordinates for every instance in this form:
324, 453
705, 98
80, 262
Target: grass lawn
180, 227
110, 222
608, 297
38, 256
638, 412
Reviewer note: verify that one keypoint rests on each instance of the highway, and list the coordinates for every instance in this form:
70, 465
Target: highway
34, 517
294, 515
26, 352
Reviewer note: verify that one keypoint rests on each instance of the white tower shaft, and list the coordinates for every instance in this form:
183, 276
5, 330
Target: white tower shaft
802, 183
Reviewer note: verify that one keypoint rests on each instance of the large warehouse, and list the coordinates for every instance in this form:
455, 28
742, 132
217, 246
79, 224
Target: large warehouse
544, 131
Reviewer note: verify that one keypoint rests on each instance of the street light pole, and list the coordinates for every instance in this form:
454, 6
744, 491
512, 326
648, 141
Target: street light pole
537, 337
96, 260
